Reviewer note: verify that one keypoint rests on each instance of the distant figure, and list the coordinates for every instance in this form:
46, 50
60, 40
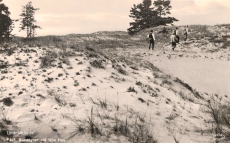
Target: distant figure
177, 35
186, 33
173, 39
151, 39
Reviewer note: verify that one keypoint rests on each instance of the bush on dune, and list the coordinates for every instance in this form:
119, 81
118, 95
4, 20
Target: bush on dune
48, 59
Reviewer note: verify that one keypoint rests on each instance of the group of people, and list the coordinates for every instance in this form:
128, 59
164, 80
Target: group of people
174, 37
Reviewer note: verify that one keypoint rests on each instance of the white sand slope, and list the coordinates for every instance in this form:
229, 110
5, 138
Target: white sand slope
56, 102
120, 98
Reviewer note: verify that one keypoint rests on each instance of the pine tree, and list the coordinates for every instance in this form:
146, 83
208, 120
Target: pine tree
163, 8
142, 15
145, 15
6, 24
28, 21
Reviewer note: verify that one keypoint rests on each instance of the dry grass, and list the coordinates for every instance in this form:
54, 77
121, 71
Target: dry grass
185, 96
200, 32
57, 97
131, 89
97, 63
196, 94
48, 59
220, 115
102, 123
101, 50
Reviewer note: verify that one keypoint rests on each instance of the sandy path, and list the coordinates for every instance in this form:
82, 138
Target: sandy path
205, 75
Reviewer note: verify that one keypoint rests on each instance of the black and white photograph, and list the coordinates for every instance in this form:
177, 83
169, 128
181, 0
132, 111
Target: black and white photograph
114, 71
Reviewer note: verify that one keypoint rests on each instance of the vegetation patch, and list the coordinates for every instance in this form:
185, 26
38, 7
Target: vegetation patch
7, 101
189, 88
97, 63
131, 89
48, 59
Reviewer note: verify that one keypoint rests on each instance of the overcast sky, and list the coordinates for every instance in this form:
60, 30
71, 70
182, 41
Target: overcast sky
60, 17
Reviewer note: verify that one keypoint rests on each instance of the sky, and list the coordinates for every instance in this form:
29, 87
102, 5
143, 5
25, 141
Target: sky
61, 17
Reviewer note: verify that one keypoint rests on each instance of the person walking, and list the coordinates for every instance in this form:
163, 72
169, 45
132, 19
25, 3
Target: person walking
151, 39
186, 33
173, 39
177, 35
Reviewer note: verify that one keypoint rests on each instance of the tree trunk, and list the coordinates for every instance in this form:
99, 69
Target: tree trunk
30, 30
27, 31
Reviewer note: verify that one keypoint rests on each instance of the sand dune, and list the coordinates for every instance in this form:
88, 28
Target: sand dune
103, 94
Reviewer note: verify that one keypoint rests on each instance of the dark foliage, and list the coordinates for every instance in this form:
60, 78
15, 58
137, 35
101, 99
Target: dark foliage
6, 24
146, 16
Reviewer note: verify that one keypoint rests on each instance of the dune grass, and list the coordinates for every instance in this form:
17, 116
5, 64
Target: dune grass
101, 48
219, 113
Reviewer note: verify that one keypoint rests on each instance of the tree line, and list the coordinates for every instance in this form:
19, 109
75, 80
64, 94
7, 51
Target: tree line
27, 21
150, 14
145, 15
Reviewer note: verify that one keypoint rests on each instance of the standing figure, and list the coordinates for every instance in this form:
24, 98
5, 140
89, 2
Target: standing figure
186, 33
173, 39
177, 35
151, 39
